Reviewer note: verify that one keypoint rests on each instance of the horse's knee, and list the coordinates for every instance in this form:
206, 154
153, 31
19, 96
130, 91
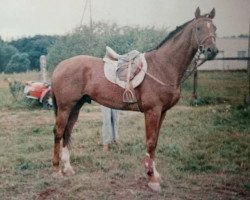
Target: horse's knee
58, 134
58, 137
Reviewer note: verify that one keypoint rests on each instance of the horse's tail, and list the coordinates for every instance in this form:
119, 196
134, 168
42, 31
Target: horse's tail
54, 102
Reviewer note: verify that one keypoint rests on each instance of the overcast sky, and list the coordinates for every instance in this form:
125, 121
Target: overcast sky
20, 18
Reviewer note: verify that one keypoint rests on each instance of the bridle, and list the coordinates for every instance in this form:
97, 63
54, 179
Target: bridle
200, 42
201, 48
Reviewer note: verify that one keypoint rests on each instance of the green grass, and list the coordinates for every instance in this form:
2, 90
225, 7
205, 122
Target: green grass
203, 151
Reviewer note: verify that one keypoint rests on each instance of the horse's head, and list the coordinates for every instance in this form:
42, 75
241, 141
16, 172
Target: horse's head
204, 33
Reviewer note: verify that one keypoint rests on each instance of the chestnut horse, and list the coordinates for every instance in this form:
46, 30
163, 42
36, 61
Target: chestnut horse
81, 79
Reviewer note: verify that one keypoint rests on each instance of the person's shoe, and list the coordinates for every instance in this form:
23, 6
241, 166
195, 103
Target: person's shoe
105, 147
115, 142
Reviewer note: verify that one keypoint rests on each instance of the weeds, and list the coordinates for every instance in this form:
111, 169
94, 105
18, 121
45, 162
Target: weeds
201, 101
16, 89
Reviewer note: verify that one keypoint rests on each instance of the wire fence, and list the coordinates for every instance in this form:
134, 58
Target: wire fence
243, 78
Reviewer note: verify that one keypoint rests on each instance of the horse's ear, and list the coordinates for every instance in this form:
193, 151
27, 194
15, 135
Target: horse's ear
212, 14
197, 13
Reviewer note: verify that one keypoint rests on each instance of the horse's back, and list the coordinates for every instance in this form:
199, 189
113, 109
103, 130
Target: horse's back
75, 64
70, 76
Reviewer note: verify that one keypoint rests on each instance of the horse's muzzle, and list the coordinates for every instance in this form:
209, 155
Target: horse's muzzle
210, 52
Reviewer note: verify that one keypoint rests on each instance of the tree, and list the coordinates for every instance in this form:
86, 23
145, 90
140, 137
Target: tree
93, 40
34, 47
6, 52
18, 63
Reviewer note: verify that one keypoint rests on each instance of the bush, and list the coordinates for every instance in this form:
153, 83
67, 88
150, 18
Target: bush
16, 89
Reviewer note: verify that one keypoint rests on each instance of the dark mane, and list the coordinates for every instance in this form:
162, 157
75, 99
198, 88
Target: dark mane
172, 34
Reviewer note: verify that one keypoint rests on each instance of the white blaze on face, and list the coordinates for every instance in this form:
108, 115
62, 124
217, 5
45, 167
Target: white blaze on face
208, 25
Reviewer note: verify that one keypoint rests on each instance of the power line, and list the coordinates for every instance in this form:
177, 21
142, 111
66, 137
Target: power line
87, 4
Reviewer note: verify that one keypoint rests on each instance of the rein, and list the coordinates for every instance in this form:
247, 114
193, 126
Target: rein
194, 64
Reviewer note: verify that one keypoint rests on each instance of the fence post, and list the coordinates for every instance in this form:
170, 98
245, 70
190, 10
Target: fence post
43, 69
195, 84
248, 66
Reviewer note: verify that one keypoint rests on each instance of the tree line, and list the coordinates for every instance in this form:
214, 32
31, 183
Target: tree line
23, 54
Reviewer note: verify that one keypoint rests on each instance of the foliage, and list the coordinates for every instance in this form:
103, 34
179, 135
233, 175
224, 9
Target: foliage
92, 41
34, 47
16, 88
18, 63
6, 52
207, 101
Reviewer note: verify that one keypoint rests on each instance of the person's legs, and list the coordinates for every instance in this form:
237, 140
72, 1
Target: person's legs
115, 123
106, 126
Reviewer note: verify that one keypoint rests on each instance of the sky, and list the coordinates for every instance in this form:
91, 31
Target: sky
23, 18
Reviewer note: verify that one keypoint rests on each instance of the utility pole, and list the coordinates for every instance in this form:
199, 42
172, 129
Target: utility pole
195, 84
87, 4
90, 15
248, 66
43, 68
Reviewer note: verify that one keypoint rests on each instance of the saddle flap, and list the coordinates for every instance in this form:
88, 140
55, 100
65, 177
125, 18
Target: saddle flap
111, 67
122, 70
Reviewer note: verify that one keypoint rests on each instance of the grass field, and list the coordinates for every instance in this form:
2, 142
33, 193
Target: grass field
203, 150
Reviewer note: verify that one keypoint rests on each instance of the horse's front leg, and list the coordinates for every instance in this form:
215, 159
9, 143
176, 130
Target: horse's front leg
153, 120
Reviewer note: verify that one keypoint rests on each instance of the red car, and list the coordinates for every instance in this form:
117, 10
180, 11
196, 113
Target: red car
39, 91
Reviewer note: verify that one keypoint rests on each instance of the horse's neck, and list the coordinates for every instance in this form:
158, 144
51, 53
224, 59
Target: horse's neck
177, 53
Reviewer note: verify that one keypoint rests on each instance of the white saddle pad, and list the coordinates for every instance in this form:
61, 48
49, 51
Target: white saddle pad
110, 68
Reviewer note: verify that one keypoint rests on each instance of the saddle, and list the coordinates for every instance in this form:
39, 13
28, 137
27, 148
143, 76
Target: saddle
127, 67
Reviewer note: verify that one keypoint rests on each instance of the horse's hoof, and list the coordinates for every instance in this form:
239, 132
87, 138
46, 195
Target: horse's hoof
68, 172
57, 174
155, 186
159, 179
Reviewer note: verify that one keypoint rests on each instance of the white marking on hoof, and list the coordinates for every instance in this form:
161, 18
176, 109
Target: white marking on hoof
155, 186
57, 174
208, 25
156, 174
68, 170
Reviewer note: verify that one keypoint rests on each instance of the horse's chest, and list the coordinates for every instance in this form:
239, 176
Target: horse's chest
170, 98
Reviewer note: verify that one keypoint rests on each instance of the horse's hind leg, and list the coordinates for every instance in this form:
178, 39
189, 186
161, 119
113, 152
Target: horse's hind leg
68, 170
61, 122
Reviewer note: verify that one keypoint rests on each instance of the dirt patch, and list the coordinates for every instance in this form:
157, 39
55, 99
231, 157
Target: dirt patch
50, 193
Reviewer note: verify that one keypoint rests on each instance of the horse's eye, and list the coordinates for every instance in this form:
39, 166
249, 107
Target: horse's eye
198, 28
